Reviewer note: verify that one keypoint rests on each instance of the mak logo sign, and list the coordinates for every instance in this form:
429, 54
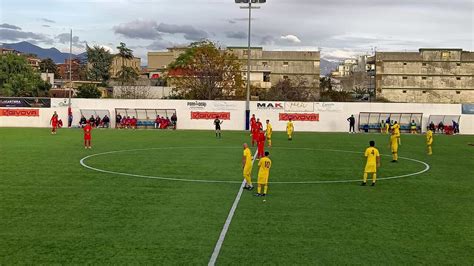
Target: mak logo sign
270, 105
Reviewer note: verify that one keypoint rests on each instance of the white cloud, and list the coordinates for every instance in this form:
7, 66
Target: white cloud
291, 38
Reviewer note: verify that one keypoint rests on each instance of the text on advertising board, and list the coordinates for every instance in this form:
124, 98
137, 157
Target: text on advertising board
19, 112
299, 117
210, 115
270, 105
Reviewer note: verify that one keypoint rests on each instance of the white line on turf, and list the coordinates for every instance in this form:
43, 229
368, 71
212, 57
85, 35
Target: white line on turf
220, 241
82, 162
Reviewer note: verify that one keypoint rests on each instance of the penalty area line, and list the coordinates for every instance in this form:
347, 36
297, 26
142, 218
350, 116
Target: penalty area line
220, 241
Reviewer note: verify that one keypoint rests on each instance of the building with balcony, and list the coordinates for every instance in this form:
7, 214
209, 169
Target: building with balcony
118, 62
427, 76
269, 67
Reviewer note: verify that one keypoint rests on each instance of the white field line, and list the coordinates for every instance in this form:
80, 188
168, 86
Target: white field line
220, 241
82, 162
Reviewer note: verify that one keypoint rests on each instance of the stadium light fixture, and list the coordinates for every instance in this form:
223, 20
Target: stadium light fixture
249, 5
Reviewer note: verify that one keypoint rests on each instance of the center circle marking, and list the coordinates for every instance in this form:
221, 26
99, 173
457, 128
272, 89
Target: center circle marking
83, 160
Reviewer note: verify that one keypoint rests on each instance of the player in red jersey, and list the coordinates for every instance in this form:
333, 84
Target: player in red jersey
256, 130
87, 135
54, 123
252, 122
261, 144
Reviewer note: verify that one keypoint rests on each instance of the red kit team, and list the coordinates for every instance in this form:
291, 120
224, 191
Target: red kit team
258, 136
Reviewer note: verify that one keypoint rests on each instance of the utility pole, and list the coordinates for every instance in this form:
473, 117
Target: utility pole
249, 7
69, 109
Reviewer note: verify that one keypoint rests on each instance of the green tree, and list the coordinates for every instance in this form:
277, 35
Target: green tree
17, 78
48, 65
325, 83
127, 75
297, 90
99, 60
205, 72
88, 91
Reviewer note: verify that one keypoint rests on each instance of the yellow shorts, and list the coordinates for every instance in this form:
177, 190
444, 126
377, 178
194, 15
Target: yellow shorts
370, 168
247, 171
263, 180
395, 149
289, 132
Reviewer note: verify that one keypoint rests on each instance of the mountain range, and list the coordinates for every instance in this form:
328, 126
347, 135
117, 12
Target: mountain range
28, 48
59, 57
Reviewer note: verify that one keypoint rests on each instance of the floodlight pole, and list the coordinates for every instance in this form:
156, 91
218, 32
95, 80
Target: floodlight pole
247, 102
69, 110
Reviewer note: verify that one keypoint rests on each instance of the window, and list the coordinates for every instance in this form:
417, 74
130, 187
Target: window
404, 91
458, 92
265, 64
458, 64
423, 78
266, 76
445, 55
423, 64
285, 77
424, 91
458, 78
404, 77
404, 63
285, 64
246, 52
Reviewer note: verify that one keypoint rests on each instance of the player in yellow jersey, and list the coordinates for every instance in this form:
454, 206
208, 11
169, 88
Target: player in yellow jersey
269, 132
289, 129
373, 161
247, 167
429, 141
394, 147
387, 127
396, 132
264, 166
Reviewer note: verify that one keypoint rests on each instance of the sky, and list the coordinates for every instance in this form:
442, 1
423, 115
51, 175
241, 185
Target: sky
338, 28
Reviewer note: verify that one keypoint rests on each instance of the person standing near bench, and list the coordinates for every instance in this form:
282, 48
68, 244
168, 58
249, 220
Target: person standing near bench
352, 122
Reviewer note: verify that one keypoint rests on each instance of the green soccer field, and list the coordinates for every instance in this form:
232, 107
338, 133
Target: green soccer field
163, 197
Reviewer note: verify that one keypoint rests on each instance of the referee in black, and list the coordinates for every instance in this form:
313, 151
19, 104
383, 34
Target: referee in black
217, 124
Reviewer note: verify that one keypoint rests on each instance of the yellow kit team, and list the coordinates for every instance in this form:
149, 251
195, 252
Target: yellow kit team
289, 129
264, 166
373, 161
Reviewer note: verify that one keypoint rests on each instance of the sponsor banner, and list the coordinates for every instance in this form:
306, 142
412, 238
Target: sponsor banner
196, 105
299, 117
25, 102
468, 109
328, 107
19, 112
210, 115
299, 107
270, 105
225, 106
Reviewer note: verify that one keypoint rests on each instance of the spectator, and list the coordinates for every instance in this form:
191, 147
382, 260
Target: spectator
133, 123
69, 120
157, 122
83, 121
118, 120
441, 127
413, 127
123, 122
97, 121
432, 126
106, 121
352, 122
455, 127
92, 120
174, 120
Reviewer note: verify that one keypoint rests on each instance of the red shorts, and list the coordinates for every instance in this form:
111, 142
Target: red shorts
87, 137
55, 125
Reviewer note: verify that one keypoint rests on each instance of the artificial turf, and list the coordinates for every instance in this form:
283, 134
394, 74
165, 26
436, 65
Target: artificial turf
53, 210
